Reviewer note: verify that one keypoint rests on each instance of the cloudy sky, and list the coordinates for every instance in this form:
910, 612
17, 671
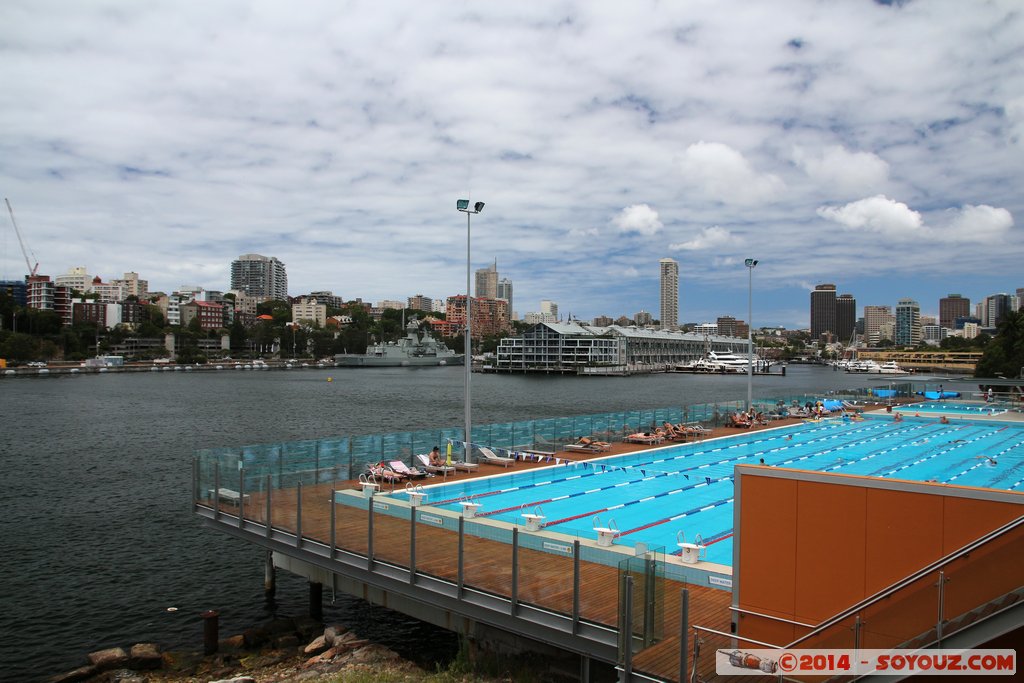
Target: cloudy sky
877, 146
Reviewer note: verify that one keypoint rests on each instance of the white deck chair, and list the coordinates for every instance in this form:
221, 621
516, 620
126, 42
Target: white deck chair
443, 470
488, 456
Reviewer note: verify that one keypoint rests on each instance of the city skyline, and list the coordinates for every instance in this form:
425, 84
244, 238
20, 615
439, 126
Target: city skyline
876, 146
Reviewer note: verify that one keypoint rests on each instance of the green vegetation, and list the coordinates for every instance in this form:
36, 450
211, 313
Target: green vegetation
1004, 354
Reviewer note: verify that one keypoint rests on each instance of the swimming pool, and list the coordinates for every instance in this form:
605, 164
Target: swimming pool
651, 496
953, 408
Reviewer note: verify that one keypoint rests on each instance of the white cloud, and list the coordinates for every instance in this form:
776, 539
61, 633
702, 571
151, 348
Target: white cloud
851, 173
976, 224
708, 238
638, 218
583, 232
723, 174
878, 214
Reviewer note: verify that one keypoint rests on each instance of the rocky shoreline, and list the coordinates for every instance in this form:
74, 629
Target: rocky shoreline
284, 651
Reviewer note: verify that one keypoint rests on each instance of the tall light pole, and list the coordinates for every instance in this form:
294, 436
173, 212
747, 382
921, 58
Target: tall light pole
463, 205
750, 263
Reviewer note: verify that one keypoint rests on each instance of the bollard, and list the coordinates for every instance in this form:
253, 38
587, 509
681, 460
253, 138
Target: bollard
210, 628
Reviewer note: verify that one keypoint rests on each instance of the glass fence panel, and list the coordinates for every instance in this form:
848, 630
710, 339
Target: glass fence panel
487, 558
632, 419
501, 436
545, 571
422, 442
903, 616
583, 426
563, 430
317, 500
522, 434
456, 436
599, 428
351, 523
366, 450
391, 532
544, 435
397, 446
985, 581
437, 543
334, 460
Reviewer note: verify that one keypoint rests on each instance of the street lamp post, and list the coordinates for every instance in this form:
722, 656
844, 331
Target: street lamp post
750, 263
463, 205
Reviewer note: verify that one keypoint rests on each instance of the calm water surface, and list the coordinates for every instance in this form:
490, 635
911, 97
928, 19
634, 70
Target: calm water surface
98, 540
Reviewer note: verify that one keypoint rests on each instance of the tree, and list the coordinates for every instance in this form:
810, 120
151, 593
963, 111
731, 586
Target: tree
1004, 355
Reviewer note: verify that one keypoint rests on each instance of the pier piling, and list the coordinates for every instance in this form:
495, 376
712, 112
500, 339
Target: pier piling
211, 629
269, 577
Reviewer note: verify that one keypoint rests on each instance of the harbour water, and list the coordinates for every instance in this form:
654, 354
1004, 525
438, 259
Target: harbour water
98, 538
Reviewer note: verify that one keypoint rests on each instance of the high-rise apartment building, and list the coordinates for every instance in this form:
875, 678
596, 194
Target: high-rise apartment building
133, 286
263, 277
420, 303
823, 311
505, 292
669, 293
487, 282
878, 324
994, 308
846, 317
727, 326
76, 278
908, 323
952, 307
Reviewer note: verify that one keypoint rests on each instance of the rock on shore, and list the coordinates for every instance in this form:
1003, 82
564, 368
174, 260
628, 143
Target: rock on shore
283, 651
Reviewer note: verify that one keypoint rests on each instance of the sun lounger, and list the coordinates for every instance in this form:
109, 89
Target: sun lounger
585, 443
443, 470
491, 458
640, 437
382, 472
402, 468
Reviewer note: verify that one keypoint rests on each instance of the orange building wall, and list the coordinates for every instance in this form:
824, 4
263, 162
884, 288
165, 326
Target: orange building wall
810, 549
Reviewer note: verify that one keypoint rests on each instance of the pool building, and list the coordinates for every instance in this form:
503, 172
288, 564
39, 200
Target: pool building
849, 531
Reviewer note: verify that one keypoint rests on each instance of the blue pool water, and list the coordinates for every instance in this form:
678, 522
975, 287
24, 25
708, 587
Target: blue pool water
653, 495
953, 408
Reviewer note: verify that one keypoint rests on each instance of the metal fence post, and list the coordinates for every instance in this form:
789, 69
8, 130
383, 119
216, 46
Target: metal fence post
627, 629
412, 544
369, 534
241, 496
941, 607
269, 509
462, 548
575, 586
334, 527
684, 635
216, 492
298, 515
515, 569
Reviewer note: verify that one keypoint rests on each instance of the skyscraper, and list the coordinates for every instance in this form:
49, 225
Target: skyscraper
878, 318
952, 307
263, 277
669, 294
846, 317
823, 311
487, 281
908, 323
995, 308
505, 292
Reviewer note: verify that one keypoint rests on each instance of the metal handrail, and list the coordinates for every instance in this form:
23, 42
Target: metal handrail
737, 637
902, 583
768, 616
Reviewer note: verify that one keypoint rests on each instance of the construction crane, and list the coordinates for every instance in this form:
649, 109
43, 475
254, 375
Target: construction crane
31, 269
